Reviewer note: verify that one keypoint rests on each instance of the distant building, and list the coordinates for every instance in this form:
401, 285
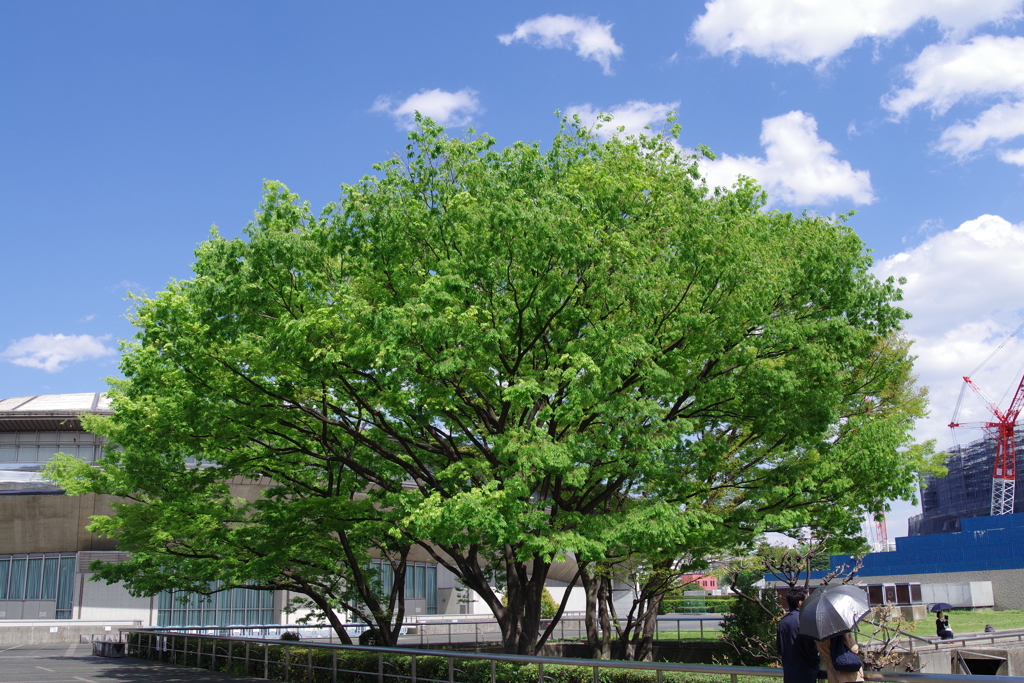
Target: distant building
705, 581
965, 492
982, 565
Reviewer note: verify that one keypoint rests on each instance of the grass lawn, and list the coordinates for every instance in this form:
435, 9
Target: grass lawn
966, 621
710, 633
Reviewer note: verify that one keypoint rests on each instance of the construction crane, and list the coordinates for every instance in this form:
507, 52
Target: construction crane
1003, 431
881, 534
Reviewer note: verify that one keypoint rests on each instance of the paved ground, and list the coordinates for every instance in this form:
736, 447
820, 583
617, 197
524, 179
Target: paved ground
76, 664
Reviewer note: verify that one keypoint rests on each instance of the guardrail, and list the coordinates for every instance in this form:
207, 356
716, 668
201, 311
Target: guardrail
274, 660
937, 643
437, 632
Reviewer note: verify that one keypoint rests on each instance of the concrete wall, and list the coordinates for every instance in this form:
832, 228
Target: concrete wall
20, 633
1007, 584
55, 523
51, 523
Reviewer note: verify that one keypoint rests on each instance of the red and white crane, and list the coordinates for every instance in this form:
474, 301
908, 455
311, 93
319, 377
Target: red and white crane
1003, 431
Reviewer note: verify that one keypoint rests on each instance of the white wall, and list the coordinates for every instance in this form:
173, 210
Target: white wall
577, 598
97, 601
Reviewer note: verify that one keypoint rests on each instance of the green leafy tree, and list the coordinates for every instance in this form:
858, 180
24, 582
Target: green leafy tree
187, 529
512, 355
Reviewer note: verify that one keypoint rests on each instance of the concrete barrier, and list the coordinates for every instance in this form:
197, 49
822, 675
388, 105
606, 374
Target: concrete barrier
22, 632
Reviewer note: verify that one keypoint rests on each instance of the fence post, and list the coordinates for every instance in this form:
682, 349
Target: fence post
309, 664
597, 675
412, 670
288, 663
246, 672
540, 672
451, 669
660, 676
732, 678
380, 667
334, 666
266, 661
493, 678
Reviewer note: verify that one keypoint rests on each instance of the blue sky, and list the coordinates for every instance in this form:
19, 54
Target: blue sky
127, 129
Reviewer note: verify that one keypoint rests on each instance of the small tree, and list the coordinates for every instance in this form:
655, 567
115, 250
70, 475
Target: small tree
749, 629
886, 627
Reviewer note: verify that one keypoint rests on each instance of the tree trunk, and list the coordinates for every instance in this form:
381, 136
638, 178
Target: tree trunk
600, 643
519, 617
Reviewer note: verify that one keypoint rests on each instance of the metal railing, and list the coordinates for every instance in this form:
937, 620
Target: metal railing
287, 661
425, 632
937, 643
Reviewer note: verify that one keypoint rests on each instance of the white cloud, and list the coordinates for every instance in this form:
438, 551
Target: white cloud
798, 167
592, 40
807, 31
1001, 122
963, 288
633, 117
1012, 156
945, 74
446, 108
52, 352
125, 284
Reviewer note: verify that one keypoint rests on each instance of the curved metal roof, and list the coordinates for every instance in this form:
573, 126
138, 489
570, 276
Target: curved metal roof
50, 412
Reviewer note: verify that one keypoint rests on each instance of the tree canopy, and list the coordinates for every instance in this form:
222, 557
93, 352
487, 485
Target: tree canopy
507, 357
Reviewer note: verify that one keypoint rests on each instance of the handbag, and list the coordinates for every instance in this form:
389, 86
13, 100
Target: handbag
842, 658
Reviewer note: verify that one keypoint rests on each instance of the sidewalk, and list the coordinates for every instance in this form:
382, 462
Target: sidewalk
61, 663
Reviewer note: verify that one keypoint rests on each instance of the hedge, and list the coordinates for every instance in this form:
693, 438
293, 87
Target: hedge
288, 662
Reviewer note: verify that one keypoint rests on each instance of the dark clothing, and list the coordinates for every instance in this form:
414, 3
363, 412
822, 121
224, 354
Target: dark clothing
942, 628
800, 660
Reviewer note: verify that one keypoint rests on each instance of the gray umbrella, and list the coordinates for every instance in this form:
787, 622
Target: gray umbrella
831, 610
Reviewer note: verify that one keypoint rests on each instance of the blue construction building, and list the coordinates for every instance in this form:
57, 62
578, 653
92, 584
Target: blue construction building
984, 544
926, 569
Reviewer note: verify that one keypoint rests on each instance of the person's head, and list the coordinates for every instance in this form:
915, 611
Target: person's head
795, 596
940, 614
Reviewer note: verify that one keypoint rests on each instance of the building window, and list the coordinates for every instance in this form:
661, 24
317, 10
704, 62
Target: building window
39, 577
420, 581
232, 607
39, 447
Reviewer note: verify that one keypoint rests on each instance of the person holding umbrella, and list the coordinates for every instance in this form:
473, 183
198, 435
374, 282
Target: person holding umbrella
839, 653
800, 662
942, 629
828, 617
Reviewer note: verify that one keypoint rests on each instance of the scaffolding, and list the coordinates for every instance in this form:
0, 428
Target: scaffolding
965, 492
